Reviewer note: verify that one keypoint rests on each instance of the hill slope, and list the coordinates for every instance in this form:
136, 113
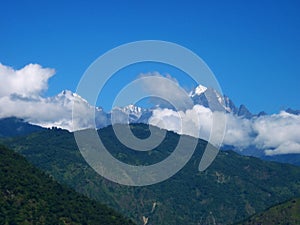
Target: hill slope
12, 126
233, 188
28, 196
281, 214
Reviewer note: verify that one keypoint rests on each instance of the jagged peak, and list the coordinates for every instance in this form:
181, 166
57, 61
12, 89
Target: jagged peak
200, 89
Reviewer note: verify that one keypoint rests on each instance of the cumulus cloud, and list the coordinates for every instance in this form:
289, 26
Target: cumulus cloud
238, 131
29, 81
196, 122
52, 111
167, 90
278, 133
274, 134
21, 96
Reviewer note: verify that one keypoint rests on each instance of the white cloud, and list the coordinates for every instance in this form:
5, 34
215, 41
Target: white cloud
167, 89
48, 112
278, 133
275, 134
196, 122
238, 131
285, 148
21, 96
29, 81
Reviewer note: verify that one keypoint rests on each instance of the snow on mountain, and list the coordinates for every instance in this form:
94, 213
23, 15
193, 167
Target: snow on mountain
127, 114
85, 115
212, 99
198, 90
229, 105
270, 134
133, 110
88, 116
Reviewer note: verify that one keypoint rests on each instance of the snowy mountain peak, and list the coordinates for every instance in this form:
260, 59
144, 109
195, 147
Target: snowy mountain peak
67, 95
133, 109
198, 90
130, 110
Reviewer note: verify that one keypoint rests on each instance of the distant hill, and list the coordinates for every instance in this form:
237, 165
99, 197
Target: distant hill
233, 188
281, 214
12, 127
284, 158
29, 196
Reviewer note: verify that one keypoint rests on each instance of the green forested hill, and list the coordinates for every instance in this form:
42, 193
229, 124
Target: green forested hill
281, 214
233, 188
12, 126
29, 196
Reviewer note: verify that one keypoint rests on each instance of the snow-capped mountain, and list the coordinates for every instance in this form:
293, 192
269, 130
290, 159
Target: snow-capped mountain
57, 111
212, 99
245, 132
127, 114
198, 91
207, 97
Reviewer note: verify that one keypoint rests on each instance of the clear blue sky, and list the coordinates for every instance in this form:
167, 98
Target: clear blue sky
253, 47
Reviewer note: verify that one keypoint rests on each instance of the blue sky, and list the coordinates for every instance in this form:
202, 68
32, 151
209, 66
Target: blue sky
253, 47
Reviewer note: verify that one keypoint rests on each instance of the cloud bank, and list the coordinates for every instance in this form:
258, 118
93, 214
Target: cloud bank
21, 95
274, 134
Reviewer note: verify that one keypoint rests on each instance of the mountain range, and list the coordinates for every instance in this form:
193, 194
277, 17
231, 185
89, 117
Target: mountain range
207, 97
131, 113
241, 121
233, 188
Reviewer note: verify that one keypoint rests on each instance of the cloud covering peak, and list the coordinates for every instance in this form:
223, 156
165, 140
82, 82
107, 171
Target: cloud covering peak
21, 95
273, 134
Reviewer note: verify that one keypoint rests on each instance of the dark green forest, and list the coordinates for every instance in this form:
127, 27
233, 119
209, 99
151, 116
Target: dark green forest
281, 214
29, 196
233, 188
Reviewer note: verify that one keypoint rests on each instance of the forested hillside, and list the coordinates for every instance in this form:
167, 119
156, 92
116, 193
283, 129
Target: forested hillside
233, 188
282, 214
29, 196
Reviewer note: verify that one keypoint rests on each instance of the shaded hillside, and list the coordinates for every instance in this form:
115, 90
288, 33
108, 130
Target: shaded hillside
293, 159
233, 188
281, 214
28, 196
12, 126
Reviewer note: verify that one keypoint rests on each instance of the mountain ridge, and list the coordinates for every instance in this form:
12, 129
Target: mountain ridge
231, 189
29, 196
245, 126
13, 126
281, 214
207, 97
